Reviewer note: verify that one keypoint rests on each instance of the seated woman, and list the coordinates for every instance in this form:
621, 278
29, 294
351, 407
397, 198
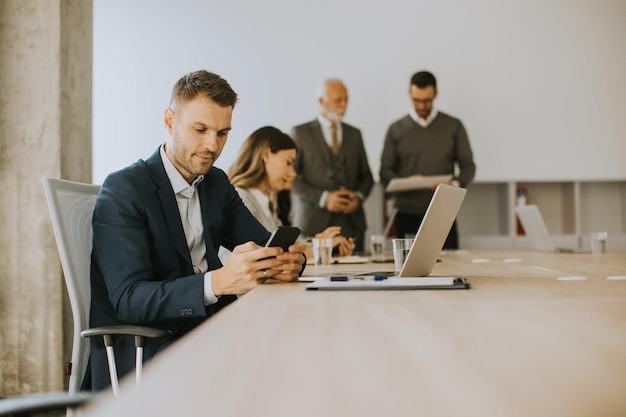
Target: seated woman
263, 168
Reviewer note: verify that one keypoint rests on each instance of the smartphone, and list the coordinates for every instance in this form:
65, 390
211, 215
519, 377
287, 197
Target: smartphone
283, 237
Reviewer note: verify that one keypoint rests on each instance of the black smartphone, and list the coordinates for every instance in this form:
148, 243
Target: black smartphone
283, 237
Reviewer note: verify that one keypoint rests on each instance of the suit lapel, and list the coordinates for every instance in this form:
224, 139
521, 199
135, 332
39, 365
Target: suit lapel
168, 204
320, 141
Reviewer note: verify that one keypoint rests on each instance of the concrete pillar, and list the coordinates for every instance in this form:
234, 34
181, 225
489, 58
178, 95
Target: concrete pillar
45, 130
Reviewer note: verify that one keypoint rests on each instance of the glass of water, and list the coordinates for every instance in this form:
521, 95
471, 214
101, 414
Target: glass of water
401, 249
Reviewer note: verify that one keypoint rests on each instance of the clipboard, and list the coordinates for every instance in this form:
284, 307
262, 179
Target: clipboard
415, 183
395, 283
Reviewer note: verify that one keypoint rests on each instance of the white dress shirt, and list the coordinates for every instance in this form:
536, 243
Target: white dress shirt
423, 122
327, 133
191, 217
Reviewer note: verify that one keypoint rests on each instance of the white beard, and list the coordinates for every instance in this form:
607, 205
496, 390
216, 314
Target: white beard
335, 117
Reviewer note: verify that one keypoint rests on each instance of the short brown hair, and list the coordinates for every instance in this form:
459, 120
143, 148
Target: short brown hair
205, 83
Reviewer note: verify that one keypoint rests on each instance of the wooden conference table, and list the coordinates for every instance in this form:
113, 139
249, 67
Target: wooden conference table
536, 335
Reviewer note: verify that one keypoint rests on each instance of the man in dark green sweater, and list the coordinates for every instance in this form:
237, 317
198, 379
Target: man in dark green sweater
425, 142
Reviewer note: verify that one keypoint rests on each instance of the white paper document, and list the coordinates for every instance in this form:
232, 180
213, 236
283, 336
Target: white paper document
352, 259
414, 183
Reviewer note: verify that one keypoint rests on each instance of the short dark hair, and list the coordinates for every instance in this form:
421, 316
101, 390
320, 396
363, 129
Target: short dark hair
423, 79
205, 83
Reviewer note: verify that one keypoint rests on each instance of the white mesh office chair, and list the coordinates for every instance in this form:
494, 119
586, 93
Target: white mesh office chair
71, 207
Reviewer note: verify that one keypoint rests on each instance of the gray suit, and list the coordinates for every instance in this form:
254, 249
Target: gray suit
320, 170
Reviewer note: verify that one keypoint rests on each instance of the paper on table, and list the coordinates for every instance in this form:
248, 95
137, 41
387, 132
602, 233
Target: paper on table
311, 279
352, 259
414, 183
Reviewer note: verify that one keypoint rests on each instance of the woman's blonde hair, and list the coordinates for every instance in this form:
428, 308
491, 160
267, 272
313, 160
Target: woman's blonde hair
248, 170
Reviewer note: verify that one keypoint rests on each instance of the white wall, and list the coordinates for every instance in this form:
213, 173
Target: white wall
539, 84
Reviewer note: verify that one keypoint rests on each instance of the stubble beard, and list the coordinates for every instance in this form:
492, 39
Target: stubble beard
195, 168
202, 167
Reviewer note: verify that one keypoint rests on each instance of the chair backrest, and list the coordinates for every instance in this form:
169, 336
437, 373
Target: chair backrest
71, 207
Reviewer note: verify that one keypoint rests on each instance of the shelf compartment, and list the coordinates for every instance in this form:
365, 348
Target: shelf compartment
603, 207
557, 203
484, 210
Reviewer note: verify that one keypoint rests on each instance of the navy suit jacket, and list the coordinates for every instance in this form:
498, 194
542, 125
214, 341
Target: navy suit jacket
141, 271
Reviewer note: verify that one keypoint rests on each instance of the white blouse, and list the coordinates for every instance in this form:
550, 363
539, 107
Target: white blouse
259, 205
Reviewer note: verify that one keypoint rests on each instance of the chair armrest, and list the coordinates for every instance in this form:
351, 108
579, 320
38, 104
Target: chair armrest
49, 401
130, 330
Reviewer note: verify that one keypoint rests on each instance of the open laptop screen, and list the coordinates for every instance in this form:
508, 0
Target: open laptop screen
432, 233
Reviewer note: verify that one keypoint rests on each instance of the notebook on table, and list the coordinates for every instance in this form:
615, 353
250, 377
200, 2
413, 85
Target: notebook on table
532, 221
392, 283
432, 233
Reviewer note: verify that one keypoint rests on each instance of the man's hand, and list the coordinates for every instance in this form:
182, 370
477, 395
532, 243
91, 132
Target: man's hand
337, 201
250, 265
291, 263
342, 201
354, 202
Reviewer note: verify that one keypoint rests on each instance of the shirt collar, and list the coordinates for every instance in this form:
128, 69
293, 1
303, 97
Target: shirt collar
179, 183
423, 122
323, 121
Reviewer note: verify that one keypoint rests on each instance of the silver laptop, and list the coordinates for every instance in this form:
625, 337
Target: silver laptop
532, 221
432, 233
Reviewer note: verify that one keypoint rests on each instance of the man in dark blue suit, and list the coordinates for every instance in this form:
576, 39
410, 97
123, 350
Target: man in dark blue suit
158, 224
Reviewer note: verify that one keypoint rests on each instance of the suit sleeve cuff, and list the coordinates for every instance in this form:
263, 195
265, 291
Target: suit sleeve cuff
304, 264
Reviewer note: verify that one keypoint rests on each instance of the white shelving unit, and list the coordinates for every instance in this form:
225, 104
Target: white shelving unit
571, 210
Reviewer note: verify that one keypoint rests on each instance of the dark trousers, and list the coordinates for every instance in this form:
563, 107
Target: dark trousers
408, 223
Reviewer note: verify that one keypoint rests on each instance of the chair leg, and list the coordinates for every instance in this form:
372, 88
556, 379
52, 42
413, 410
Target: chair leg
139, 364
113, 371
109, 341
